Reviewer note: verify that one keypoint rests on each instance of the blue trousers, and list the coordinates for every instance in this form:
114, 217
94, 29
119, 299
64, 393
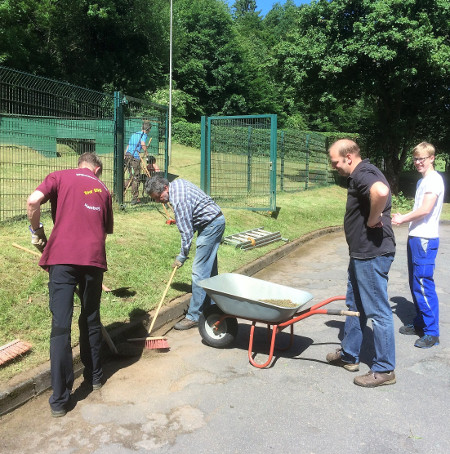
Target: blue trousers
421, 263
205, 264
63, 280
367, 293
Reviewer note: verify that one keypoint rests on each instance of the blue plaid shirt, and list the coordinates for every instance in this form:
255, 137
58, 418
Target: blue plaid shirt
193, 211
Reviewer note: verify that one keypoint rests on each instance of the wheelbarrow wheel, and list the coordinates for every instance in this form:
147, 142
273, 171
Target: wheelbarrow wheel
220, 336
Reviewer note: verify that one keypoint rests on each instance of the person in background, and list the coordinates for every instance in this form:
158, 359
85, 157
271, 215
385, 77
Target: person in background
152, 167
194, 211
132, 159
423, 244
369, 235
74, 255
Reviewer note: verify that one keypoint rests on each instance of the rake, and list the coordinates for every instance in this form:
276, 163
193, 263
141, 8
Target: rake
156, 343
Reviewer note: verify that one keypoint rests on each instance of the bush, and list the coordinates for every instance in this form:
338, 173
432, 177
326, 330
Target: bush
401, 204
188, 134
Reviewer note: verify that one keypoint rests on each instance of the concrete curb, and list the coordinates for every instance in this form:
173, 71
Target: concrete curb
36, 381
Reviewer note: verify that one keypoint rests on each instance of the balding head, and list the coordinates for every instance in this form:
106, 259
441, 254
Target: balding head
346, 146
344, 156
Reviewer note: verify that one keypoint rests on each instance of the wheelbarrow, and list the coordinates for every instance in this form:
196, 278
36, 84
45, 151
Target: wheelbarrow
258, 301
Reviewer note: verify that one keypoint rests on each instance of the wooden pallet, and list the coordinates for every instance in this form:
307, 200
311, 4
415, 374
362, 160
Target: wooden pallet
252, 238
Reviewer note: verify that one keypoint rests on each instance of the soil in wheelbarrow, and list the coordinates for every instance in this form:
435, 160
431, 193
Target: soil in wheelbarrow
280, 303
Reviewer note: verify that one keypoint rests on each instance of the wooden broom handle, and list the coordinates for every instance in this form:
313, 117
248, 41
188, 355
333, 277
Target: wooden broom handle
162, 299
26, 249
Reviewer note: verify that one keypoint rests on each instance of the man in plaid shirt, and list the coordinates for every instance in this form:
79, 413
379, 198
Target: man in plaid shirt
194, 211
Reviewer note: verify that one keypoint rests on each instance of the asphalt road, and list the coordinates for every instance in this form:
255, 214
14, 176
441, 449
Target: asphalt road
197, 399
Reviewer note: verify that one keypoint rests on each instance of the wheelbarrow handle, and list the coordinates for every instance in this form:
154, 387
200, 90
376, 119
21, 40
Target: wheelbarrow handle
341, 312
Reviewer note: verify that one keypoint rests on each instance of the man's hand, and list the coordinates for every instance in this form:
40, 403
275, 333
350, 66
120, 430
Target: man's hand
38, 238
397, 219
375, 222
177, 264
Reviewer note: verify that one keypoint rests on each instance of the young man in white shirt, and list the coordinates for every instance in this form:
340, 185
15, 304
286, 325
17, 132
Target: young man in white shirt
423, 243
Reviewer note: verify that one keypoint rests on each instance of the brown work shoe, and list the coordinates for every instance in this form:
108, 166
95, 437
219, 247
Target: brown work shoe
373, 379
335, 359
186, 323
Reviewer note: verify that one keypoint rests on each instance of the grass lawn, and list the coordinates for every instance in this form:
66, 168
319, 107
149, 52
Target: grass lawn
140, 254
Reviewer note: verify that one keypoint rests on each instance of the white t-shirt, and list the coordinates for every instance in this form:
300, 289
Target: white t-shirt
428, 227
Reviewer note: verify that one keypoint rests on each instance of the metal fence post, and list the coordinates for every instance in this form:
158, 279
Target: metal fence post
249, 159
273, 159
119, 129
203, 159
307, 161
282, 161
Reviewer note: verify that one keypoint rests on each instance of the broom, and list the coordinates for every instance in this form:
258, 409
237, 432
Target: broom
12, 350
156, 343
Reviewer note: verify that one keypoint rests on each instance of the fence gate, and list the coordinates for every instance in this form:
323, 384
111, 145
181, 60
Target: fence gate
238, 161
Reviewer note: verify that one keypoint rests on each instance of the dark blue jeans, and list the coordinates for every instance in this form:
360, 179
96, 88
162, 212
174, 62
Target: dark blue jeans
63, 280
367, 293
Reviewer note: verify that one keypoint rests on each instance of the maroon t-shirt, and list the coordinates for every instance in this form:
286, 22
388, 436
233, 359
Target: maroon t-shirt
82, 215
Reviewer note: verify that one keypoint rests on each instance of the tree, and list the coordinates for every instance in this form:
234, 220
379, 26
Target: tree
215, 64
242, 8
123, 43
390, 56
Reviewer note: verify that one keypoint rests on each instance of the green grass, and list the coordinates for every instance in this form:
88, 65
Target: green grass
140, 254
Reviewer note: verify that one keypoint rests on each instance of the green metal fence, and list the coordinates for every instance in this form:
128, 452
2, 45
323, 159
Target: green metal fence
302, 161
46, 124
245, 160
239, 160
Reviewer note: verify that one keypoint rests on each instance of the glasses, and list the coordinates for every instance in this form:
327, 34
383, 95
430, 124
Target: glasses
420, 160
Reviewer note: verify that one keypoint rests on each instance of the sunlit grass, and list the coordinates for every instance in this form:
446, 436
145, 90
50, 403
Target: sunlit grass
140, 253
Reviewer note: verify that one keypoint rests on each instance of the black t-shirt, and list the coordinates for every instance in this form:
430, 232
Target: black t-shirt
364, 242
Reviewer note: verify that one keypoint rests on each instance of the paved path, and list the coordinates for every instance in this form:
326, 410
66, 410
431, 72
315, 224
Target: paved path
197, 399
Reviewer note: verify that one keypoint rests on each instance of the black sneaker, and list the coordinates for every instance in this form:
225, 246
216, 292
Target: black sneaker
59, 413
410, 330
427, 341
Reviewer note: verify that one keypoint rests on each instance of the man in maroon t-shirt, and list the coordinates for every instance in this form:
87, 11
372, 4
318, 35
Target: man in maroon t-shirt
74, 255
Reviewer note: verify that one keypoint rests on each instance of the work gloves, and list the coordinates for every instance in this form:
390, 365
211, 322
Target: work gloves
177, 264
179, 261
38, 238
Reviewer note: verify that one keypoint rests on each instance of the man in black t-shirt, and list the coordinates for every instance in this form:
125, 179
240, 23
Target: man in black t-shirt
371, 242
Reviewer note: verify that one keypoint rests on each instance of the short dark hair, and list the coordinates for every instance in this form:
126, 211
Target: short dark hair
156, 184
146, 126
91, 159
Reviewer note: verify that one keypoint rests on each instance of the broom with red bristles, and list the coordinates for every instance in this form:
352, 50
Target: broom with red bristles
156, 343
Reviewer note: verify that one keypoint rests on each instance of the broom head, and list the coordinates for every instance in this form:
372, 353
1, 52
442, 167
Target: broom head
153, 343
156, 343
12, 350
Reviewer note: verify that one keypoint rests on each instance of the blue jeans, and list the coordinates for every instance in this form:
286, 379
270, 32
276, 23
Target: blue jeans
205, 264
367, 293
421, 263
